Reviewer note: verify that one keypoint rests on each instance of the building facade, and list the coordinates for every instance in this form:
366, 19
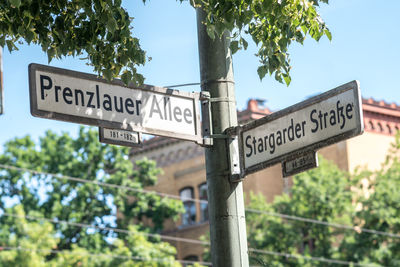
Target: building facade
184, 173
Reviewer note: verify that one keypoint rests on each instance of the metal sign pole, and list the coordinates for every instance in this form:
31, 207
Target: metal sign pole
226, 206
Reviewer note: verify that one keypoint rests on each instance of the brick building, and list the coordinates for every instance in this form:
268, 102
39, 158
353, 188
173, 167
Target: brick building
183, 164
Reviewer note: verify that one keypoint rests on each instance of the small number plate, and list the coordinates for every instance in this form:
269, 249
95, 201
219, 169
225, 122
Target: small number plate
120, 137
299, 164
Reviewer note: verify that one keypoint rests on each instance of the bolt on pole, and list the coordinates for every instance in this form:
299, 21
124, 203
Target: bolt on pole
226, 206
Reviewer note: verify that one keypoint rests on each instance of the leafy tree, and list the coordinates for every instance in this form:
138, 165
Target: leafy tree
89, 203
36, 242
272, 25
321, 194
102, 29
36, 237
366, 199
379, 209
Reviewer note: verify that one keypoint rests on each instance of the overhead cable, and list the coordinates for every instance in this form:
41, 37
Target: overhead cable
98, 227
193, 241
310, 258
286, 216
335, 225
80, 180
135, 258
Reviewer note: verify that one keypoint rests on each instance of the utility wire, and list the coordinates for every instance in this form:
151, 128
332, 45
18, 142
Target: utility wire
320, 259
336, 225
135, 258
193, 241
80, 180
181, 85
98, 227
286, 216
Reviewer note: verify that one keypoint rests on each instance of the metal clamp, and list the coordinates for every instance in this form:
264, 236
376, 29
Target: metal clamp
222, 99
217, 81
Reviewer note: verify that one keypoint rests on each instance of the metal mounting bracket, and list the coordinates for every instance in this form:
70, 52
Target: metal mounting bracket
234, 158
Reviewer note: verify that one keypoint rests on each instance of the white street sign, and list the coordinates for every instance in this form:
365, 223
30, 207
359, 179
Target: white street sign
84, 98
307, 126
120, 137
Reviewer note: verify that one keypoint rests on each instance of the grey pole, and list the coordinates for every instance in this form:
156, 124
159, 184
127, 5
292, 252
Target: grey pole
226, 206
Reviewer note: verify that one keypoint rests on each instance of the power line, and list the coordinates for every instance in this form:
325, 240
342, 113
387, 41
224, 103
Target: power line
135, 258
80, 180
320, 259
286, 216
336, 225
98, 227
181, 85
193, 241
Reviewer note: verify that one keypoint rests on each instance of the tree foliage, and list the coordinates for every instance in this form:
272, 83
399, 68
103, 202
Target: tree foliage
100, 28
103, 30
379, 209
34, 243
272, 25
77, 202
320, 194
365, 200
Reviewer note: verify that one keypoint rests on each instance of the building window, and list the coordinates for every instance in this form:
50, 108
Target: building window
191, 260
380, 127
371, 125
389, 129
203, 206
189, 217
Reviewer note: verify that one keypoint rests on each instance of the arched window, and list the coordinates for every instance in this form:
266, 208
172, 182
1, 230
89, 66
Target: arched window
189, 217
380, 128
389, 130
371, 125
203, 206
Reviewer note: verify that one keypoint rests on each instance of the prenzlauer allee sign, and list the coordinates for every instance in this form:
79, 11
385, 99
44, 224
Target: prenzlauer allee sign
84, 98
322, 120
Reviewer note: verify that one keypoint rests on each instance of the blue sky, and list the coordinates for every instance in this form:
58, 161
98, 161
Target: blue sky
365, 47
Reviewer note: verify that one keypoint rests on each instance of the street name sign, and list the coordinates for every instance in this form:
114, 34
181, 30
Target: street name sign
72, 96
120, 137
303, 128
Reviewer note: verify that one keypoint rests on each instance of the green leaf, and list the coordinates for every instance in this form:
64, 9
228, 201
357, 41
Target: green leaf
10, 45
234, 46
244, 43
50, 54
126, 77
211, 31
262, 71
107, 74
287, 78
15, 3
111, 25
328, 34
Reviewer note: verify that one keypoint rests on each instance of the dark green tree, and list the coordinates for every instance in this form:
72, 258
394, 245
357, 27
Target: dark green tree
101, 30
321, 194
378, 198
34, 243
85, 158
364, 200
